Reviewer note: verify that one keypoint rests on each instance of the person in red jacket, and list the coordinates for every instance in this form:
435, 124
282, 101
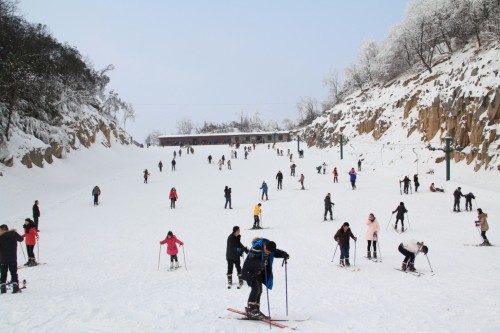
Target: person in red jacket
31, 236
173, 197
172, 249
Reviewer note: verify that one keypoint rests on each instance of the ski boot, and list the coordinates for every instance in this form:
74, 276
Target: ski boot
176, 264
374, 255
261, 315
32, 262
229, 280
3, 288
404, 266
252, 310
15, 288
411, 268
342, 264
171, 266
240, 281
347, 263
369, 255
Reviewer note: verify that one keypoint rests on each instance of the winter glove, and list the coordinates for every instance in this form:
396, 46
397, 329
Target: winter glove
246, 250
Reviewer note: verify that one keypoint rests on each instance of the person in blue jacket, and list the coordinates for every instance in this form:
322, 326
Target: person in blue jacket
257, 270
264, 190
352, 174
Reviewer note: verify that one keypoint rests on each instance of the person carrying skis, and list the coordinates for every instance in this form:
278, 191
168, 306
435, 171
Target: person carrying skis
264, 189
328, 207
410, 249
406, 184
8, 258
234, 251
36, 214
372, 235
227, 195
301, 180
342, 238
335, 175
257, 271
160, 165
31, 236
400, 216
279, 177
352, 175
483, 224
256, 216
173, 197
172, 249
96, 192
456, 195
468, 201
415, 181
292, 169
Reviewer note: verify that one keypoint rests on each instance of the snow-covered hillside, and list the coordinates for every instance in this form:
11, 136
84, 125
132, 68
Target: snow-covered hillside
101, 273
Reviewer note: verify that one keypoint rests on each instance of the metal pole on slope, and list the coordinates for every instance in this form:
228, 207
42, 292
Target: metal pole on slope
355, 242
335, 251
409, 225
24, 255
429, 263
184, 255
389, 222
286, 283
378, 244
159, 256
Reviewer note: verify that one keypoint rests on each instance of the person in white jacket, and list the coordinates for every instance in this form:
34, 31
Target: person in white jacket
410, 249
372, 235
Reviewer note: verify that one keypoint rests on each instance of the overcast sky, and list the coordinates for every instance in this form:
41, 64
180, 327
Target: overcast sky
211, 60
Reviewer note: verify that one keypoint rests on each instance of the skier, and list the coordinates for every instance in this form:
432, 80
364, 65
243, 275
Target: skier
160, 165
352, 175
401, 210
292, 169
415, 181
229, 164
31, 236
96, 192
36, 214
318, 168
410, 249
220, 165
264, 190
483, 224
175, 154
227, 195
468, 201
173, 197
291, 157
246, 154
335, 175
235, 153
324, 167
359, 165
256, 213
328, 207
432, 188
180, 153
223, 159
172, 249
457, 194
234, 251
257, 270
406, 184
209, 159
173, 164
146, 174
301, 180
372, 235
342, 238
8, 258
279, 177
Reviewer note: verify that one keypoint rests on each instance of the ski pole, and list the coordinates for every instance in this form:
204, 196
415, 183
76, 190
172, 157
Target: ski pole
355, 252
429, 263
38, 250
184, 255
389, 222
409, 225
479, 231
267, 294
335, 251
286, 283
159, 256
261, 223
24, 255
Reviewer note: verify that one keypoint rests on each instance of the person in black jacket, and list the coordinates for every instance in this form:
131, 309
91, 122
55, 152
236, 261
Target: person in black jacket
257, 270
406, 184
234, 251
415, 181
328, 206
400, 216
342, 238
36, 214
227, 195
468, 201
457, 194
279, 177
96, 192
8, 258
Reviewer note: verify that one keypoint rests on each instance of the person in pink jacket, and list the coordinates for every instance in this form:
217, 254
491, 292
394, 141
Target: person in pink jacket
371, 235
172, 250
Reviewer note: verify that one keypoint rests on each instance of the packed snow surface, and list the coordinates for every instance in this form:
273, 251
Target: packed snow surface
102, 275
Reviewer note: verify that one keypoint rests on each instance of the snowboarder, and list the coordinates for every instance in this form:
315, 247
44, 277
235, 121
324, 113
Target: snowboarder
257, 270
227, 195
328, 207
256, 216
264, 189
209, 159
468, 201
359, 165
36, 214
432, 188
96, 192
352, 175
31, 236
483, 224
234, 251
146, 174
406, 184
173, 197
324, 167
279, 177
415, 181
292, 169
410, 249
335, 175
8, 258
400, 216
457, 194
342, 238
160, 165
301, 180
372, 235
172, 249
173, 164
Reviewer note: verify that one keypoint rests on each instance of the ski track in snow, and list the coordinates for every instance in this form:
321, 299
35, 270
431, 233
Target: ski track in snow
101, 273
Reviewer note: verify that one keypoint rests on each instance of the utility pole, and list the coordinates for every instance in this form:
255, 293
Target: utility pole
448, 150
341, 146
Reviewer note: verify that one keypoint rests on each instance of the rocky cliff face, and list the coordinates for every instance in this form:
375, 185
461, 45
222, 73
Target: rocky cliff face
460, 99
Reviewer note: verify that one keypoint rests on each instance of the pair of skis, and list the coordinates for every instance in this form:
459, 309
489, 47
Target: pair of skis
273, 322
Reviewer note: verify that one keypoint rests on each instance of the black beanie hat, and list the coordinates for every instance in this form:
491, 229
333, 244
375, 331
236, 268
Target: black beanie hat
346, 224
235, 228
271, 246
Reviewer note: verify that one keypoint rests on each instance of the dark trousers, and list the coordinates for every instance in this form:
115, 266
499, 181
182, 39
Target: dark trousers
456, 204
228, 201
402, 219
235, 263
256, 291
405, 188
35, 220
172, 203
4, 268
468, 204
335, 179
256, 220
96, 199
280, 184
344, 251
409, 256
328, 210
292, 172
31, 253
174, 258
483, 234
370, 245
264, 193
353, 183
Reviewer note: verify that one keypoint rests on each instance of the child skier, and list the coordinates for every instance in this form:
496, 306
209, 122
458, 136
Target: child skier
31, 236
372, 235
342, 238
172, 249
410, 249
